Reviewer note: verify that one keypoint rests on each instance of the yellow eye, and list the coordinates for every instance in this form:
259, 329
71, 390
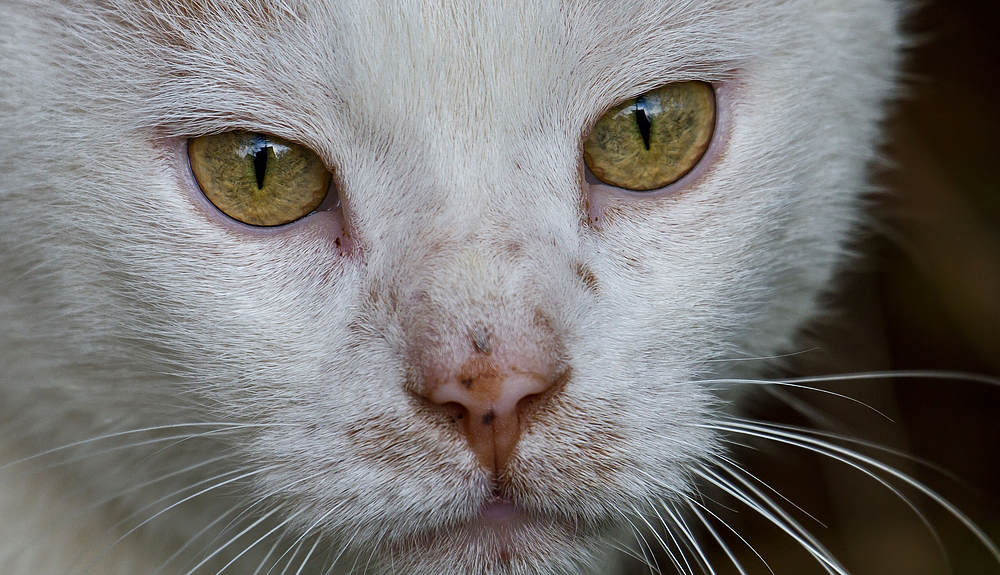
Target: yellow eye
653, 140
258, 179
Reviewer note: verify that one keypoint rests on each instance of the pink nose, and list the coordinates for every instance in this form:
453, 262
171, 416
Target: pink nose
490, 392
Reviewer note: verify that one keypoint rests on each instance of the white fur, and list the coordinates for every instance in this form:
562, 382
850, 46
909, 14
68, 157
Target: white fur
455, 133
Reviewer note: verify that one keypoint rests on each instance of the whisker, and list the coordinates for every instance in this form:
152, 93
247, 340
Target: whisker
191, 540
735, 465
796, 383
779, 518
219, 549
308, 555
271, 493
295, 548
247, 549
68, 446
817, 417
764, 357
378, 541
869, 375
267, 557
343, 549
641, 540
145, 484
261, 499
620, 546
173, 505
853, 440
659, 539
307, 530
695, 505
685, 530
818, 446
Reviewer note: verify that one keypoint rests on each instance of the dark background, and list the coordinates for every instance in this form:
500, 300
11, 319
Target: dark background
926, 297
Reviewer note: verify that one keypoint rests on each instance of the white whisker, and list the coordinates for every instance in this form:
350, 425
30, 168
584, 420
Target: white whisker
306, 532
342, 550
145, 484
173, 505
308, 555
267, 556
115, 435
219, 549
777, 516
284, 523
663, 544
688, 535
846, 456
641, 541
796, 430
192, 539
294, 548
733, 464
697, 508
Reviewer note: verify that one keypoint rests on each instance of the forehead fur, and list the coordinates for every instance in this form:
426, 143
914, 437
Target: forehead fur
456, 62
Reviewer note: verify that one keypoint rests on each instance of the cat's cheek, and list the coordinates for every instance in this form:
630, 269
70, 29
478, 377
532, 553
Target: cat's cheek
600, 196
326, 221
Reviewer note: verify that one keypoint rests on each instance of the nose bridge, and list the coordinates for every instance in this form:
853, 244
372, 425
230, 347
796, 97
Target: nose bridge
467, 304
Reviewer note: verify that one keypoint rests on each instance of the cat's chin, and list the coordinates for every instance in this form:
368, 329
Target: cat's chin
502, 539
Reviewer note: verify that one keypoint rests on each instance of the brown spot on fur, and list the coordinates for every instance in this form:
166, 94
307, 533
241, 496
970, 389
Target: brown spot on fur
489, 417
543, 320
587, 276
482, 340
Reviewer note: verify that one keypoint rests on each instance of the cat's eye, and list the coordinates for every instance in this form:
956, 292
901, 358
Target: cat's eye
653, 140
258, 179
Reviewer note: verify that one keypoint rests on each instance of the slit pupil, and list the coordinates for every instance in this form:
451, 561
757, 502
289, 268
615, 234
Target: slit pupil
260, 165
642, 121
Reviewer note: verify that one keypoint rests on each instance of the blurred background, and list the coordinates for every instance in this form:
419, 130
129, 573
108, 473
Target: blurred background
926, 297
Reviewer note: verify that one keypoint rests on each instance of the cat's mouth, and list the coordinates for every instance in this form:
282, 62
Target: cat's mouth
500, 532
499, 511
498, 519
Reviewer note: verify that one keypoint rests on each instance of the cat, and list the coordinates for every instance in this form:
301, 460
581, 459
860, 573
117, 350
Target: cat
330, 286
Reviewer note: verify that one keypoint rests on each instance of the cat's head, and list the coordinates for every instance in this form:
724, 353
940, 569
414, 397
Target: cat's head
475, 353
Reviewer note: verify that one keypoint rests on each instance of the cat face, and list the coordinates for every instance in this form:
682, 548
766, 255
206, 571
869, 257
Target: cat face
475, 356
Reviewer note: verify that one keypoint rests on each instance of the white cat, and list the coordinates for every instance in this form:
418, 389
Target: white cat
441, 343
